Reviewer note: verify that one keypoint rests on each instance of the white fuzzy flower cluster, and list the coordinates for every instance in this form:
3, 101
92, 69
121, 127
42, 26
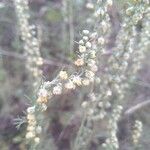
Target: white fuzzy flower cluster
103, 29
137, 130
31, 41
65, 82
90, 5
119, 68
100, 17
61, 84
115, 70
101, 24
33, 130
112, 141
144, 43
114, 79
87, 56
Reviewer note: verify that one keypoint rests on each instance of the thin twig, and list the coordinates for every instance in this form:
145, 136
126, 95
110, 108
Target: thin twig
137, 107
22, 57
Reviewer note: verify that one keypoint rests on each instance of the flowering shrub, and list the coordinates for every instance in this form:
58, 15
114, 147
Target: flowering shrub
105, 73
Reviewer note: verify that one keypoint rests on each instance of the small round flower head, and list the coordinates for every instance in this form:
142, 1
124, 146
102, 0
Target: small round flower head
138, 127
86, 32
37, 140
109, 93
92, 97
100, 104
101, 40
63, 75
110, 2
42, 99
30, 128
93, 54
90, 5
38, 129
79, 62
39, 61
129, 11
69, 85
93, 35
31, 110
126, 56
77, 80
101, 12
43, 92
90, 111
30, 117
96, 14
91, 62
89, 74
85, 81
104, 26
94, 68
85, 38
82, 49
97, 80
84, 104
81, 42
101, 115
35, 73
57, 90
30, 135
88, 45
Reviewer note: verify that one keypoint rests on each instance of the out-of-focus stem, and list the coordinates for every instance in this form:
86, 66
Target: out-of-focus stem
71, 26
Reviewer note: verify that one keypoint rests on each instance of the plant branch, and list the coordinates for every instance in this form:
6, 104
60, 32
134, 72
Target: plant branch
136, 108
22, 57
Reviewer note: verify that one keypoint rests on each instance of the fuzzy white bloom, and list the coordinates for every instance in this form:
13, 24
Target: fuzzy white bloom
81, 42
38, 129
89, 74
37, 140
91, 62
94, 68
31, 110
86, 32
84, 104
109, 93
82, 49
138, 127
70, 85
57, 90
85, 81
90, 6
63, 75
85, 38
43, 92
30, 128
79, 62
110, 2
31, 117
30, 135
92, 96
101, 40
88, 45
93, 54
77, 80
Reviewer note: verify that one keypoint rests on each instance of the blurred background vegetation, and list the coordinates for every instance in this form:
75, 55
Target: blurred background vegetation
53, 19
